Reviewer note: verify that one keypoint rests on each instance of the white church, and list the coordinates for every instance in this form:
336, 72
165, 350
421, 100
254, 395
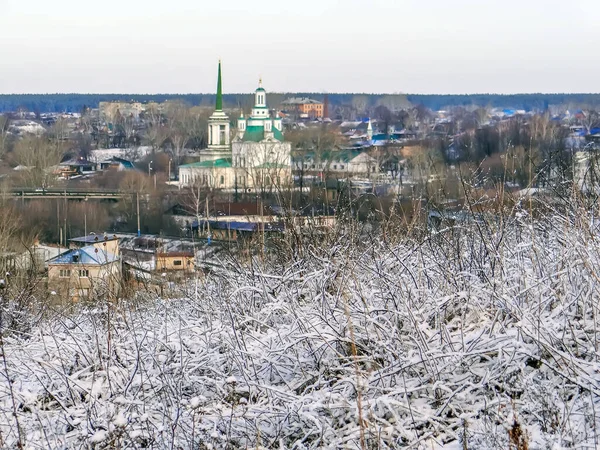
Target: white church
254, 158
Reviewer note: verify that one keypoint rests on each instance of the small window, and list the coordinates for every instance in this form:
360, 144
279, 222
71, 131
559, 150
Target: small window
222, 179
177, 262
84, 273
342, 167
335, 167
64, 273
312, 166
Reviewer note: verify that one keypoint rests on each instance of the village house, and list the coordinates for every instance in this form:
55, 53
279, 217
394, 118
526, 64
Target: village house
175, 261
76, 167
147, 255
85, 273
116, 163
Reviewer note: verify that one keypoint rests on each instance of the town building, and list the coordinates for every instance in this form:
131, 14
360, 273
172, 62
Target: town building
304, 108
85, 273
343, 163
110, 111
256, 159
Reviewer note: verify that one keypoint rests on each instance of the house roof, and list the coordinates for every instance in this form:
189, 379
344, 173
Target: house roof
217, 163
114, 160
77, 162
239, 226
89, 255
256, 133
300, 101
93, 239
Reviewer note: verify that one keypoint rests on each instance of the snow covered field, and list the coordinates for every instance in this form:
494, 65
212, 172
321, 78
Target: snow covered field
485, 335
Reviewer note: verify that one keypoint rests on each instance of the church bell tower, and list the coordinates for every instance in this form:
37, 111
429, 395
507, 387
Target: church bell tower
218, 123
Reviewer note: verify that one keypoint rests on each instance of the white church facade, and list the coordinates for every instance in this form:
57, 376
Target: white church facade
255, 158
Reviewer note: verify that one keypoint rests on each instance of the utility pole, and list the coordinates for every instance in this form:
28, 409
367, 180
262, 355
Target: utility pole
138, 214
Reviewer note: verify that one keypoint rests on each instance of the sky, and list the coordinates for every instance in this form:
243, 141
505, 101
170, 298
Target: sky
380, 46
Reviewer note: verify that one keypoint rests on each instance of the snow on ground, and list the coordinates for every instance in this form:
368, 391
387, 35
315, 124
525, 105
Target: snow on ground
423, 343
124, 153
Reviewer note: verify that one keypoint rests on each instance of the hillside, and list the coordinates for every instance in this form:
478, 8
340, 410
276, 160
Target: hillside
485, 334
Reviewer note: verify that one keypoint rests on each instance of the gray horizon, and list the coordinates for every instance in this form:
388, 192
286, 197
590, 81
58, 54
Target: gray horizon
327, 46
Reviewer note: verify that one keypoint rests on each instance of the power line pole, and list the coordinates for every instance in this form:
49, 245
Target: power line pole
138, 214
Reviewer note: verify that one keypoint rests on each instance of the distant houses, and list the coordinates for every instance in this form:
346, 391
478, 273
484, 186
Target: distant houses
79, 167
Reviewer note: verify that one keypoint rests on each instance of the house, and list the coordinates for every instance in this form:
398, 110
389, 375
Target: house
175, 261
149, 254
103, 243
76, 167
18, 259
345, 162
115, 163
85, 273
304, 107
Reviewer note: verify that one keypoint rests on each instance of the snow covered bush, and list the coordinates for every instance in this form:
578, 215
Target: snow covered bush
478, 337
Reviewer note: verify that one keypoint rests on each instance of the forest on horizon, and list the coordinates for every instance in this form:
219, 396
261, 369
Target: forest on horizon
72, 103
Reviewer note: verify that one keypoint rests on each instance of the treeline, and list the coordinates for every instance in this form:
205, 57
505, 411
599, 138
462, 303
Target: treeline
44, 103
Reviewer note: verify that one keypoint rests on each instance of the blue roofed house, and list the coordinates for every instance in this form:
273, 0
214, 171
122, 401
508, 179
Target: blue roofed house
92, 271
118, 164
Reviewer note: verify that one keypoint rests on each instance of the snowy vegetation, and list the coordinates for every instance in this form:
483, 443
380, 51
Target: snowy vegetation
474, 337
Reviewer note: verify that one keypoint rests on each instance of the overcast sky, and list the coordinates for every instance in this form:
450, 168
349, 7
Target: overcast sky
410, 46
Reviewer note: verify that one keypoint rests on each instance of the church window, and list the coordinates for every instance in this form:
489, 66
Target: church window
222, 179
222, 140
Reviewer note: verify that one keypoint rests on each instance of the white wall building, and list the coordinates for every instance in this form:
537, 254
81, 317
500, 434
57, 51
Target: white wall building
257, 158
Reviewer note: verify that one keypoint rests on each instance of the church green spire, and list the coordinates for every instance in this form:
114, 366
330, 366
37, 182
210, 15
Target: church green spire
219, 105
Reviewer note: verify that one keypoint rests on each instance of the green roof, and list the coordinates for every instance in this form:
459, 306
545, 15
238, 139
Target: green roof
256, 134
217, 163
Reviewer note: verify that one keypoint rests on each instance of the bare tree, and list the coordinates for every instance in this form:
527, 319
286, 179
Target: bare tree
360, 104
394, 102
39, 155
590, 119
4, 123
268, 168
